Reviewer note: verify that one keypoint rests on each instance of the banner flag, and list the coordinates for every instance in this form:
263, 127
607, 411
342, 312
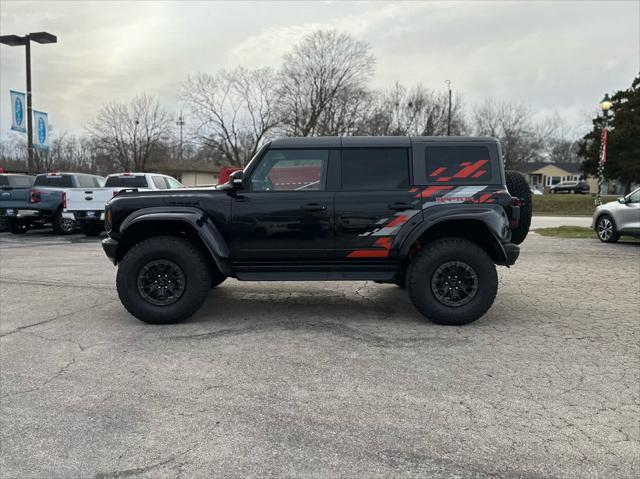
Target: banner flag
18, 111
603, 160
40, 130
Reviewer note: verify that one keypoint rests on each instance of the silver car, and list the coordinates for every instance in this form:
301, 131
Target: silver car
621, 217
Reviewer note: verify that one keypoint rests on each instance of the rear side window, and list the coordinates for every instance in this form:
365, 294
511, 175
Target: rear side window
458, 164
375, 169
86, 181
54, 181
159, 182
20, 181
126, 182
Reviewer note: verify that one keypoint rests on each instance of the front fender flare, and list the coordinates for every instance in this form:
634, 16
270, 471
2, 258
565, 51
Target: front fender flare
196, 218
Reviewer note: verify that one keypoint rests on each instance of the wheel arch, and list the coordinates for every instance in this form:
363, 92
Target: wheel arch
474, 228
190, 223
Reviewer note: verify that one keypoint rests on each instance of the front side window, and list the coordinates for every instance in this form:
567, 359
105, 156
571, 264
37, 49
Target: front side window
375, 169
291, 170
453, 164
173, 184
634, 197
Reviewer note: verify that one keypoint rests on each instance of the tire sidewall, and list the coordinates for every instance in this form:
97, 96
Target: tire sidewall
614, 233
188, 258
421, 272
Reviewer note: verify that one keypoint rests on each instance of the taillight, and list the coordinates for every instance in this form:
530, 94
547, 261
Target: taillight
35, 196
515, 201
64, 199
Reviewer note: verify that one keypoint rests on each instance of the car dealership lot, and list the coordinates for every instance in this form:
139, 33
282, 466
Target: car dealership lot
320, 379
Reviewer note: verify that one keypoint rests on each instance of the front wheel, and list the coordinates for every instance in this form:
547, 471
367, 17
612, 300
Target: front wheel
606, 229
452, 281
163, 280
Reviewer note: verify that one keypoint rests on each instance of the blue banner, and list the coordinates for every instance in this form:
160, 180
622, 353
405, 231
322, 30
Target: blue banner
40, 130
18, 111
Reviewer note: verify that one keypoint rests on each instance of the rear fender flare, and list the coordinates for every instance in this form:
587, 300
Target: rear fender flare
196, 218
492, 216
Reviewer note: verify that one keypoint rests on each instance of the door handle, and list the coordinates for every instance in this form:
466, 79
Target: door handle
313, 207
400, 206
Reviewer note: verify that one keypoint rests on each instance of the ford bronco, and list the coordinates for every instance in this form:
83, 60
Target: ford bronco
433, 215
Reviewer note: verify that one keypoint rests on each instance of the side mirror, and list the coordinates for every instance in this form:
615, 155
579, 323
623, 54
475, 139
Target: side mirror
622, 201
236, 179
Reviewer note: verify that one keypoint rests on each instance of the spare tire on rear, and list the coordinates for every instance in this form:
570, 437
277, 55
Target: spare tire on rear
518, 187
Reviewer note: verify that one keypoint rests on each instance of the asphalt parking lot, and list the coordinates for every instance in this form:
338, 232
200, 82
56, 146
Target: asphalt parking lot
320, 379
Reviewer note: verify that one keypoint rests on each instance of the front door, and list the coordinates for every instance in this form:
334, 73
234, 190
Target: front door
376, 199
286, 213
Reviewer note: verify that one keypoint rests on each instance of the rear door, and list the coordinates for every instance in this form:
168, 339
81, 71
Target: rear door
376, 199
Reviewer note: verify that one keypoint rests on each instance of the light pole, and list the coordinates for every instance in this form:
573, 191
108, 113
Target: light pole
448, 82
15, 41
605, 106
180, 123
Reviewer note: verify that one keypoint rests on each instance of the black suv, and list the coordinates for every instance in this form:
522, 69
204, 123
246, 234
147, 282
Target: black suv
427, 213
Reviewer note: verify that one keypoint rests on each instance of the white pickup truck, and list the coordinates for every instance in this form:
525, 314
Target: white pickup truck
86, 206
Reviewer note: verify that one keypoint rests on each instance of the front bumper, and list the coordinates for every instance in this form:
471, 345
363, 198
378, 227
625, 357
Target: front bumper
110, 247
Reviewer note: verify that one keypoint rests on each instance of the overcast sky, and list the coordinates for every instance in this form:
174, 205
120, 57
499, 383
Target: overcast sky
555, 56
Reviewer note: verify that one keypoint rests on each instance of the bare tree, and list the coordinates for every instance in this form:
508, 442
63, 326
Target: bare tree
416, 111
234, 110
522, 139
323, 83
131, 132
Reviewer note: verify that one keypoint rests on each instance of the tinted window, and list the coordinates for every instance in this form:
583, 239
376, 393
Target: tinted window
86, 181
126, 182
20, 180
291, 170
464, 164
159, 182
375, 169
54, 181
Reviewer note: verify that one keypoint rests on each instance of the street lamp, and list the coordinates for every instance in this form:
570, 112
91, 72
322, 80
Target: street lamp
448, 82
605, 107
15, 41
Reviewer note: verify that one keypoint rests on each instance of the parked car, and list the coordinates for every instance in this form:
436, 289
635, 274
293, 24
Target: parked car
570, 187
15, 212
49, 193
618, 218
86, 206
432, 214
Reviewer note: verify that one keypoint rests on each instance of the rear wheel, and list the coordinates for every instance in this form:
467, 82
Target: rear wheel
606, 229
16, 227
91, 229
452, 281
62, 225
518, 187
163, 280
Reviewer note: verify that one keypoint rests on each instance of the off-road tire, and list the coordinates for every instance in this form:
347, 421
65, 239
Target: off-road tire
518, 187
16, 227
91, 229
432, 256
61, 225
615, 236
180, 251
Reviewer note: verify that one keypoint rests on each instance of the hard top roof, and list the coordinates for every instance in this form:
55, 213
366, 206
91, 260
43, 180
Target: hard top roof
371, 141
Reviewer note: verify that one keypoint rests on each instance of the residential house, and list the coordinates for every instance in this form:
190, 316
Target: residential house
543, 175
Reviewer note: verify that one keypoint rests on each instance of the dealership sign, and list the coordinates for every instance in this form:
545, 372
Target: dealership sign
41, 130
18, 113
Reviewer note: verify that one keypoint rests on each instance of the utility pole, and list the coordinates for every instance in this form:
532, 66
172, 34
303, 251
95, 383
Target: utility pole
448, 82
180, 123
14, 41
